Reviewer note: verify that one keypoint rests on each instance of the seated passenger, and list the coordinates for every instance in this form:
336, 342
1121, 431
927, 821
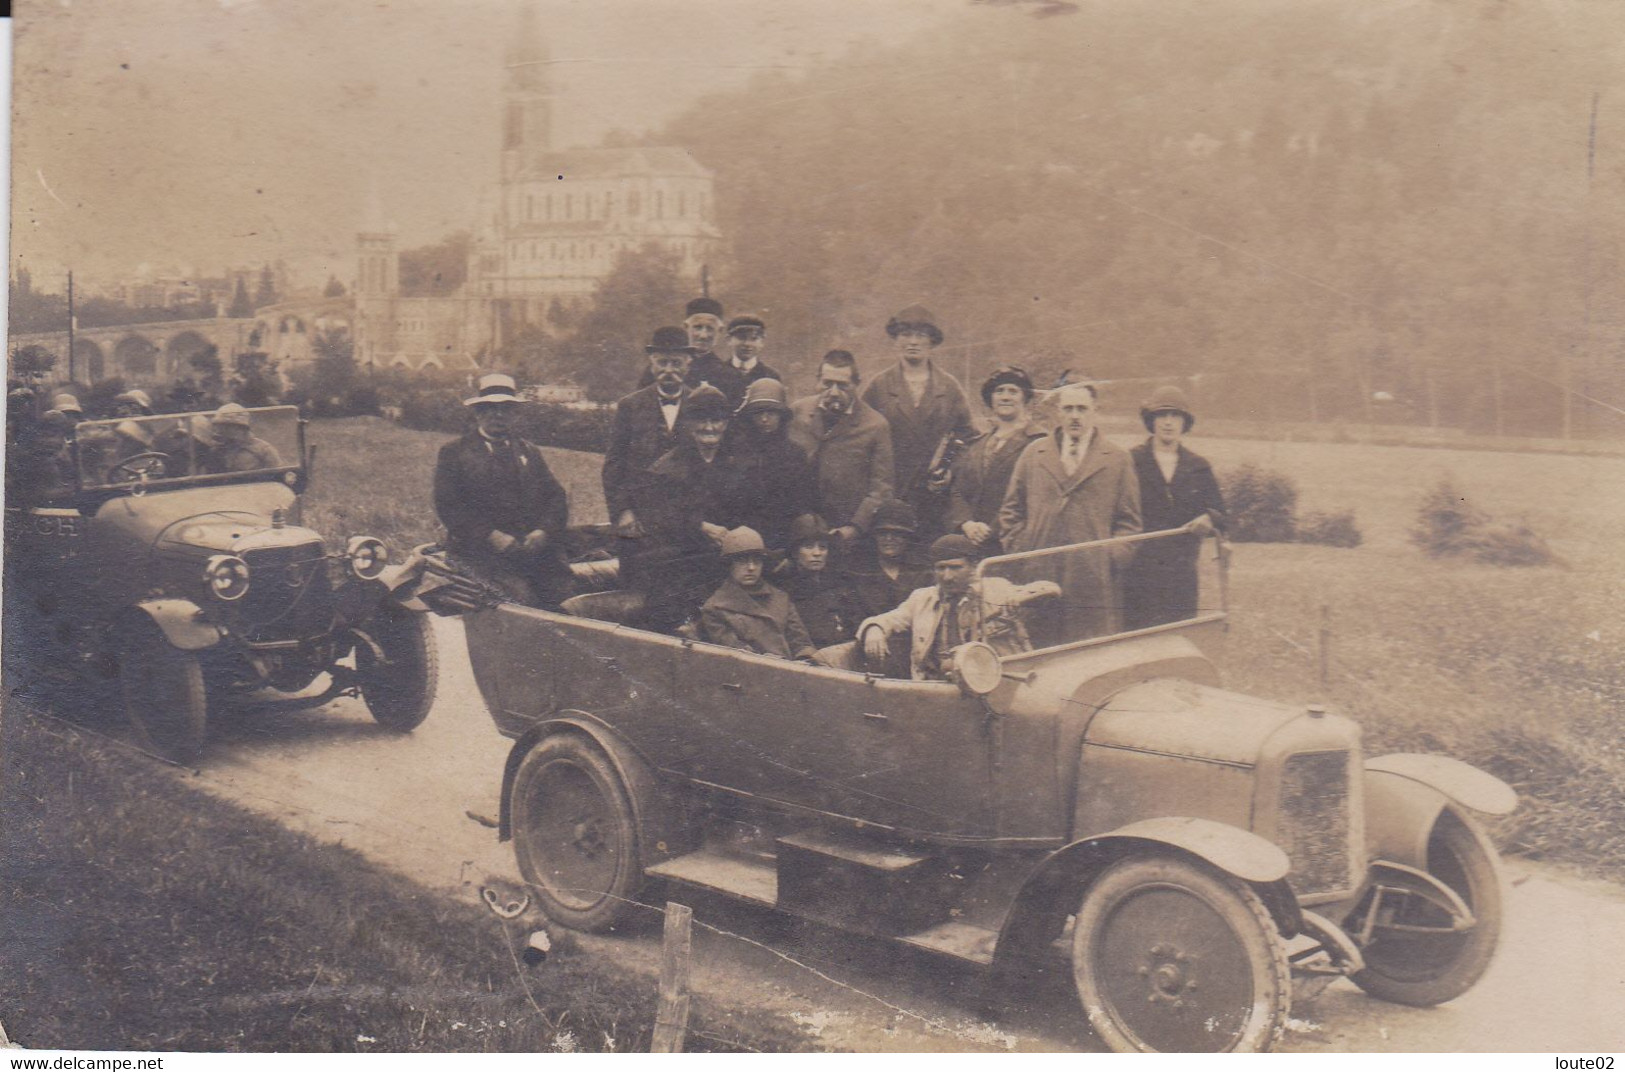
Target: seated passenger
38, 470
822, 593
189, 444
129, 440
747, 612
957, 610
237, 449
887, 568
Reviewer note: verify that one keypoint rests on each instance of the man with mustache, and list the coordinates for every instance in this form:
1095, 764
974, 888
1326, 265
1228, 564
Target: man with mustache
703, 323
849, 445
645, 425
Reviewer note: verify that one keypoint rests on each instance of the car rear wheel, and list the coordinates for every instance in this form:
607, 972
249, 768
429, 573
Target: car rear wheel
1412, 967
163, 693
1174, 957
398, 689
575, 833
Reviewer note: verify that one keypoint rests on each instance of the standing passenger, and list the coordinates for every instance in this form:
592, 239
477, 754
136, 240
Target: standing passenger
703, 325
923, 404
783, 486
983, 471
1177, 487
645, 425
746, 337
849, 446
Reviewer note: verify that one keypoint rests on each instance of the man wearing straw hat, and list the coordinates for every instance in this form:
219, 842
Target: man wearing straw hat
505, 513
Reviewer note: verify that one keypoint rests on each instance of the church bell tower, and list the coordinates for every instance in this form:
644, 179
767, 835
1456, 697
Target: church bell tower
527, 97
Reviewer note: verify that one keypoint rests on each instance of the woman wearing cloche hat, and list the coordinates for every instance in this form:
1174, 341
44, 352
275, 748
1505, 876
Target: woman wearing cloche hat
982, 472
1177, 487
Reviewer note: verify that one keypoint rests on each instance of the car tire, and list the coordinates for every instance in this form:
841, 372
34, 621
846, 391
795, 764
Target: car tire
1432, 969
163, 692
575, 833
399, 690
1173, 956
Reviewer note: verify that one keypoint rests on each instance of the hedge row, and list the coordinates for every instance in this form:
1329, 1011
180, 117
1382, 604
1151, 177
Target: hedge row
548, 424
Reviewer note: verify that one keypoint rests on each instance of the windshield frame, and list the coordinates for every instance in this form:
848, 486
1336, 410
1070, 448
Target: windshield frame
296, 469
1221, 558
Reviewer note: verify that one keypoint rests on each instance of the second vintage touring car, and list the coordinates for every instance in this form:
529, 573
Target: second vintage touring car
1199, 854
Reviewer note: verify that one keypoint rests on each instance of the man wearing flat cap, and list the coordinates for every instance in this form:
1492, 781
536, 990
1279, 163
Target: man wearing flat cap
924, 405
747, 335
646, 424
702, 321
958, 609
1177, 488
505, 513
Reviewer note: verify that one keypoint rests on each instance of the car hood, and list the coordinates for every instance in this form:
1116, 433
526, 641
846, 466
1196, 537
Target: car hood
1172, 717
212, 520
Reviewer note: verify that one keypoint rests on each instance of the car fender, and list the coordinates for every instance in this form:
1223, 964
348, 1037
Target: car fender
663, 827
1051, 890
1406, 792
181, 622
401, 581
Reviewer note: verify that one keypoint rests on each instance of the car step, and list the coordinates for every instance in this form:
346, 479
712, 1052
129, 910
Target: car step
747, 879
966, 941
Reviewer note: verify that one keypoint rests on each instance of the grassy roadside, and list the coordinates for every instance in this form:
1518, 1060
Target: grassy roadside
141, 914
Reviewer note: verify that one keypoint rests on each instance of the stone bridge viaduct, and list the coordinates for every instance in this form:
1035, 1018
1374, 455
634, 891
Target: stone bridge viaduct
141, 353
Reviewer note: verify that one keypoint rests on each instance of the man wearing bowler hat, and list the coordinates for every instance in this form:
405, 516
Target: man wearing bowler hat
1177, 488
923, 404
702, 321
646, 424
505, 514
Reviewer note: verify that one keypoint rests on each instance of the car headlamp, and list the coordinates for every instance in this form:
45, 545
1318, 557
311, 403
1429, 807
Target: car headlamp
226, 576
368, 556
976, 668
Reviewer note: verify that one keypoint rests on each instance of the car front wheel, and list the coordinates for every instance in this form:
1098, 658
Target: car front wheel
1174, 957
399, 686
163, 691
575, 833
1415, 957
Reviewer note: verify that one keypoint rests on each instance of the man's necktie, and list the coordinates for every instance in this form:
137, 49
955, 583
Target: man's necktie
1073, 456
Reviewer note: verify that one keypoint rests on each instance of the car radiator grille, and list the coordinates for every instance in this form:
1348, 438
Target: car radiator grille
289, 594
1315, 820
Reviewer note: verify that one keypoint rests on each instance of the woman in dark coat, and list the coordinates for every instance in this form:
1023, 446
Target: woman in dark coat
1176, 487
982, 472
783, 485
823, 594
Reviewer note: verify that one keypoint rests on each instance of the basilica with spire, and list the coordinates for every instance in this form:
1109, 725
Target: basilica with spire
549, 232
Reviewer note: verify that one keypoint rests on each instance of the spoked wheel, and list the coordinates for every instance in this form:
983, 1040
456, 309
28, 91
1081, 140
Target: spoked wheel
1404, 963
164, 696
575, 833
1174, 957
399, 688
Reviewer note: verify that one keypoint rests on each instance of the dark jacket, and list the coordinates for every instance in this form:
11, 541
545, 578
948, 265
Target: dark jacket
637, 439
916, 430
827, 602
852, 460
480, 488
876, 591
982, 475
1161, 583
764, 621
783, 485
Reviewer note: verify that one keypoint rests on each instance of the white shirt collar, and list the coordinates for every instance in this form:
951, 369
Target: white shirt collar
741, 366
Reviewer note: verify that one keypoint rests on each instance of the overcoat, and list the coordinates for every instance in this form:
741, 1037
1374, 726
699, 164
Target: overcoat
851, 459
982, 474
917, 429
826, 600
782, 484
481, 487
1161, 582
637, 438
1044, 507
764, 621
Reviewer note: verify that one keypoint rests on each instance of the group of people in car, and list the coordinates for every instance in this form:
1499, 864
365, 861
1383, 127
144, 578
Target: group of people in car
855, 514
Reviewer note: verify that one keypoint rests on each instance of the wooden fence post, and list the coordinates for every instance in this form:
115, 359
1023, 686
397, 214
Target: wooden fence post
671, 1013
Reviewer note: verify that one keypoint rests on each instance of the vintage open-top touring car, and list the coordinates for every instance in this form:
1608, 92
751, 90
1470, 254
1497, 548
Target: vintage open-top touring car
1200, 854
175, 561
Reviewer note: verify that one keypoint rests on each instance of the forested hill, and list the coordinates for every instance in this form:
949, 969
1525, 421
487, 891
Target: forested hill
1307, 201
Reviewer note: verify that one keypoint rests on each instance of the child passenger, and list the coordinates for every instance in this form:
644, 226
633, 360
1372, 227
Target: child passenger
747, 612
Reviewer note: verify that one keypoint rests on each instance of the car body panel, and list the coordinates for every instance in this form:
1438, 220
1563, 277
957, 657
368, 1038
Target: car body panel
182, 624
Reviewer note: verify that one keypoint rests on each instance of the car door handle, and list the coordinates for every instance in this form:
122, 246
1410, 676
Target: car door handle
732, 686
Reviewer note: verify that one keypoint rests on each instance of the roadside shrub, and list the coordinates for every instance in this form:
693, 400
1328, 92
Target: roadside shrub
1259, 505
441, 409
1332, 529
1447, 526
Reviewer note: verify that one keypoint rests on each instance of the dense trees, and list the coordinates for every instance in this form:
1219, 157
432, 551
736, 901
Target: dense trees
437, 270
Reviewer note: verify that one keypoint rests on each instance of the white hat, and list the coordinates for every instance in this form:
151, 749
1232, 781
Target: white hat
232, 413
136, 395
495, 387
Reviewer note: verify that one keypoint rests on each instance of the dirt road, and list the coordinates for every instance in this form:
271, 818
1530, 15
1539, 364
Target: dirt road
1558, 983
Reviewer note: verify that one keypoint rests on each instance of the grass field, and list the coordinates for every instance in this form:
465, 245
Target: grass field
1518, 670
137, 913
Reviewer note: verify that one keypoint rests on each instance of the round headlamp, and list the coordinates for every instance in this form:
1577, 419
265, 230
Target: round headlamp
368, 556
976, 668
226, 576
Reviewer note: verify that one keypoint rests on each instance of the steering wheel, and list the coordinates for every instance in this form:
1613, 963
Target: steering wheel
149, 463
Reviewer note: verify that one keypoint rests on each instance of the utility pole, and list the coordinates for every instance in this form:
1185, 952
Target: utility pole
705, 280
1585, 336
72, 378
